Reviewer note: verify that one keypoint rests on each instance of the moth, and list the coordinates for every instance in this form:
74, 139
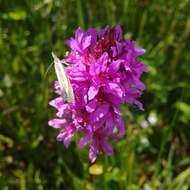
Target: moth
64, 82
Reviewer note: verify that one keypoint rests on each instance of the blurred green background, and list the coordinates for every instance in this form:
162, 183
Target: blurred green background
155, 152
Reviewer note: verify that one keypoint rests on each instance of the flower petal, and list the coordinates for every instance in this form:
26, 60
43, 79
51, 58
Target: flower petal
139, 105
93, 152
100, 65
103, 61
114, 66
121, 127
92, 92
100, 112
73, 44
91, 106
57, 102
86, 42
114, 88
66, 135
84, 141
139, 51
107, 148
57, 123
79, 34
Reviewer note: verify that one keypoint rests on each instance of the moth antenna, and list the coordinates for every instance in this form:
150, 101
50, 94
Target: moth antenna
55, 58
47, 70
64, 62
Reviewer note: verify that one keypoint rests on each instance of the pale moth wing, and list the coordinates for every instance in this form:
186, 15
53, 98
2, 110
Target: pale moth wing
64, 82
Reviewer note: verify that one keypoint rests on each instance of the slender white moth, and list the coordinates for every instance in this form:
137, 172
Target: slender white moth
64, 82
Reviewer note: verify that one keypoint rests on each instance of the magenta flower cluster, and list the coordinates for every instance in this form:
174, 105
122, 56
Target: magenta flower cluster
104, 73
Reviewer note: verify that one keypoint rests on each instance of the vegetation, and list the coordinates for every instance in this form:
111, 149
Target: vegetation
155, 152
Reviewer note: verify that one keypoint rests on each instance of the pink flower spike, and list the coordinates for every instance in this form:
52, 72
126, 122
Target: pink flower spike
104, 72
